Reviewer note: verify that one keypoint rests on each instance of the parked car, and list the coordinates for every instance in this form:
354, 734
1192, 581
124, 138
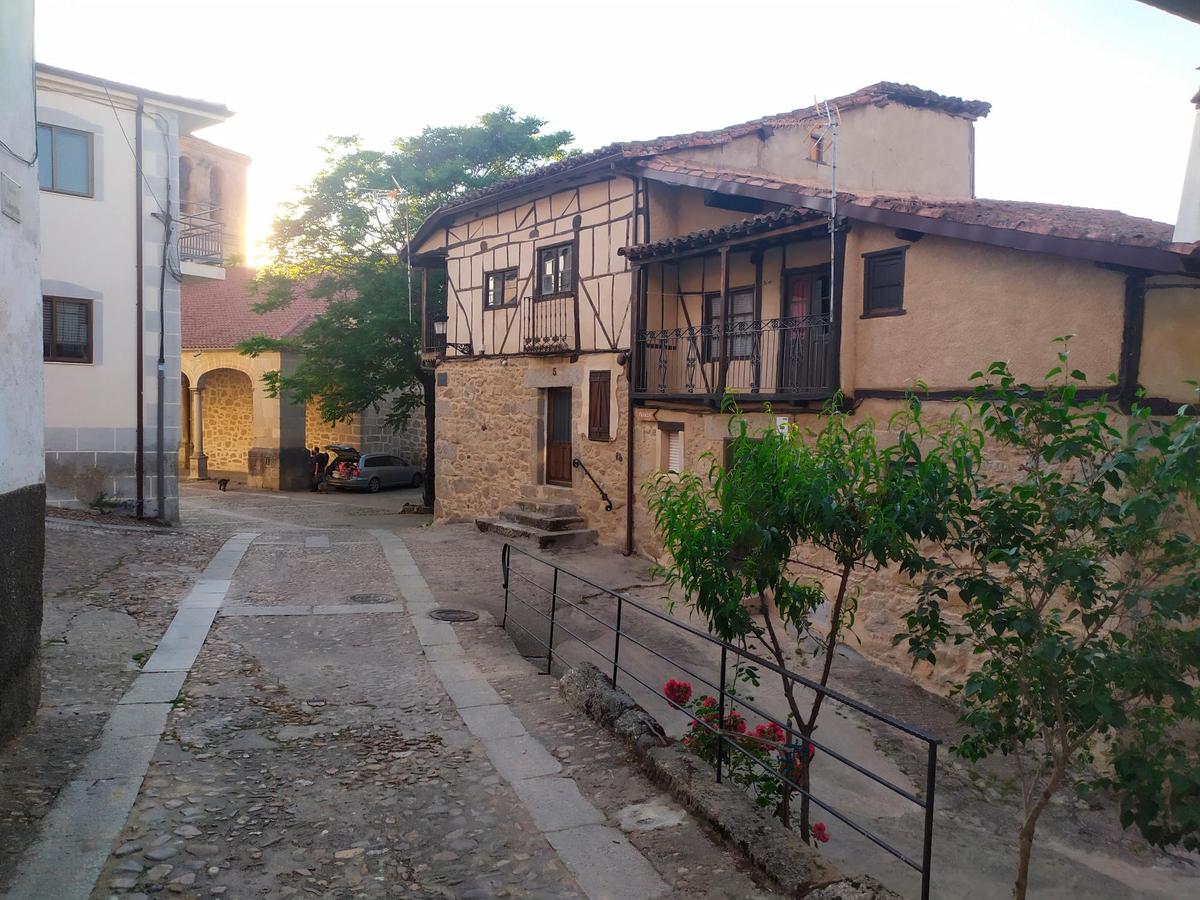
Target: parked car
350, 470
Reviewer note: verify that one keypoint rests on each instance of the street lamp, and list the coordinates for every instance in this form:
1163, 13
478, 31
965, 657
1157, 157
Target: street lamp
439, 331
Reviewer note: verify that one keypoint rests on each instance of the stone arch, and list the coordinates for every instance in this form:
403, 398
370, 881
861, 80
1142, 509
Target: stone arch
185, 424
228, 419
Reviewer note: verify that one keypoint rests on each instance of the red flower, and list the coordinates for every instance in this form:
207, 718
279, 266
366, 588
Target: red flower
735, 722
820, 832
707, 702
770, 731
678, 692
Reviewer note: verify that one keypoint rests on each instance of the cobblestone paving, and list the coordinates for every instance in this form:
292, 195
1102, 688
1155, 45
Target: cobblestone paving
109, 594
318, 755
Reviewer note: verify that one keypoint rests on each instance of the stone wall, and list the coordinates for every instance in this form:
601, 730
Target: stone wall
321, 433
491, 437
228, 420
408, 443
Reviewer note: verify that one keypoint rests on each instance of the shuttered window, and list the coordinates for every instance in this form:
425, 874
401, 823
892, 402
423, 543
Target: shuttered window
670, 436
599, 405
883, 283
66, 330
675, 451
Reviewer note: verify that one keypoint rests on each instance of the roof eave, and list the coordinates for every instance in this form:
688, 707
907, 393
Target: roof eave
1151, 259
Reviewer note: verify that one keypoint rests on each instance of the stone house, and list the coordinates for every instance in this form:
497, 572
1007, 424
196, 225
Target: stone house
22, 477
231, 426
114, 253
635, 285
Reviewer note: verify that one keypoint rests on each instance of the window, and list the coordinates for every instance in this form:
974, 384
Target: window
599, 405
671, 446
740, 321
555, 270
500, 289
66, 330
64, 160
883, 283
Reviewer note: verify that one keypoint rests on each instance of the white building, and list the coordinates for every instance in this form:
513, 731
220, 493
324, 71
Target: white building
22, 492
111, 269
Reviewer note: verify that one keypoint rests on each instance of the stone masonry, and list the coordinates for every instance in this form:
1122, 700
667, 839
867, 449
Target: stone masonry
228, 420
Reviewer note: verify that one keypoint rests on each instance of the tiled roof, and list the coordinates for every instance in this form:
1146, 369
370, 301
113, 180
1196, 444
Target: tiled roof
881, 93
1049, 219
705, 237
217, 314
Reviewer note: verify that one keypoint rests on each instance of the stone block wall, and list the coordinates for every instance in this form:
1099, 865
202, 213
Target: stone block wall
321, 433
408, 443
228, 420
491, 437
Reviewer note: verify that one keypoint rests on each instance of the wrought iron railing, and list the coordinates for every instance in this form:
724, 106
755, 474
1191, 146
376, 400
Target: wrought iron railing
201, 234
542, 587
578, 464
548, 325
774, 358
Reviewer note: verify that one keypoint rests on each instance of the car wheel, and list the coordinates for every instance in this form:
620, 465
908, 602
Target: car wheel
417, 480
373, 485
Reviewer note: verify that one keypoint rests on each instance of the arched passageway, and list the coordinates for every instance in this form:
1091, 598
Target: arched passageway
228, 420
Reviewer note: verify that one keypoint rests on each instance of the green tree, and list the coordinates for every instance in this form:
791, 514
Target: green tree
835, 501
345, 241
1079, 578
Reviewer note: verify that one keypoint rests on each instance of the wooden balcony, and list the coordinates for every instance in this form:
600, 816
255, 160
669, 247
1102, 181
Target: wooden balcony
775, 360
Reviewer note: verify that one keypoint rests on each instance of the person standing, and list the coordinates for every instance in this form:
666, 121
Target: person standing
322, 465
314, 468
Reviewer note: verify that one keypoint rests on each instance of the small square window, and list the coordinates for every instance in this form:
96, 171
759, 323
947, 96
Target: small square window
883, 283
555, 270
66, 330
64, 160
500, 289
670, 436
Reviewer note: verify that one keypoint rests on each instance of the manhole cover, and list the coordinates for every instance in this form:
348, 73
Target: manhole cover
370, 598
454, 615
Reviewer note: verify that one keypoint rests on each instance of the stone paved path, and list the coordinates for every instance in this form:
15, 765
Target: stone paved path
330, 739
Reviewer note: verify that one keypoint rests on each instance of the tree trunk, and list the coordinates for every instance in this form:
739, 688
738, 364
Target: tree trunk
835, 621
1029, 826
427, 378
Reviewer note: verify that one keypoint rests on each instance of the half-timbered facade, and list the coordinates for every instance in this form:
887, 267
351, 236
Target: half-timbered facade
642, 283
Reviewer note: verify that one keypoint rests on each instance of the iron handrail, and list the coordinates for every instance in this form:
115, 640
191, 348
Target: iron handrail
578, 464
723, 741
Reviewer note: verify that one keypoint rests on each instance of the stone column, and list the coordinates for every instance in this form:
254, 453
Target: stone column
199, 462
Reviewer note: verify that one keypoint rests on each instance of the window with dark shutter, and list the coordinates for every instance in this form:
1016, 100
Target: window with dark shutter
66, 330
599, 405
883, 283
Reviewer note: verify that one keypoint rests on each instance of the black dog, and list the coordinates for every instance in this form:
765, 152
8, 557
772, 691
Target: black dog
222, 484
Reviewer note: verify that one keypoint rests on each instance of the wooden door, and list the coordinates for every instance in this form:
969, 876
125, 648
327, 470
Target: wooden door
558, 436
804, 326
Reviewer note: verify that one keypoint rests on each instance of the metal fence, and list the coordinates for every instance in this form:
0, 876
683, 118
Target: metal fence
548, 325
525, 588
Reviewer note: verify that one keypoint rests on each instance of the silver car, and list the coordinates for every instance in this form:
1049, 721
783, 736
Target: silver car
353, 471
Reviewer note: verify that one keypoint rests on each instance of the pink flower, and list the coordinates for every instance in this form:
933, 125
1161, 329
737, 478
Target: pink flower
820, 832
678, 692
735, 722
708, 702
770, 731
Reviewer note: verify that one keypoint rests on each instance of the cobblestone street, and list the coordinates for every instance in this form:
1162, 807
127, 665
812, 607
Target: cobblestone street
326, 739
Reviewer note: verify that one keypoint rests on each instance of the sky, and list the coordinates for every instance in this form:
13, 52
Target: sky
1090, 98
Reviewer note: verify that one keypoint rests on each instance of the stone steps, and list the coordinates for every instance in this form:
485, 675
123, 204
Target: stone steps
543, 516
573, 537
547, 521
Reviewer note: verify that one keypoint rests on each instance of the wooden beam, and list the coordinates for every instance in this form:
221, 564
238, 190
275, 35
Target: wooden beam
1131, 338
723, 366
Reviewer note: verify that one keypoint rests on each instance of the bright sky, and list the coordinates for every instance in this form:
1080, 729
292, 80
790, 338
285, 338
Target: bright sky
1089, 97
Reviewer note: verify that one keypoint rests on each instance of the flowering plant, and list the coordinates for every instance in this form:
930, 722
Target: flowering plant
753, 758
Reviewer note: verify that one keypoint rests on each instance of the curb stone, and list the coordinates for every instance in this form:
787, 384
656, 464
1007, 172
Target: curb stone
778, 852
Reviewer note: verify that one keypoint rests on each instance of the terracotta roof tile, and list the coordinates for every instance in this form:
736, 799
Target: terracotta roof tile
1074, 222
217, 314
753, 225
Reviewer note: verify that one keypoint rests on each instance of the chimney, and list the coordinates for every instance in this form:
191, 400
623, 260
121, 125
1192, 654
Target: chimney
1187, 223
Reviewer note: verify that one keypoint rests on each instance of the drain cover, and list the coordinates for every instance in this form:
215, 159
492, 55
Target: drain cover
370, 598
454, 615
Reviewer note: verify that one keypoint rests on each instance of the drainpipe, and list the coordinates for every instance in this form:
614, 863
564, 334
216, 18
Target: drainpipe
160, 476
139, 461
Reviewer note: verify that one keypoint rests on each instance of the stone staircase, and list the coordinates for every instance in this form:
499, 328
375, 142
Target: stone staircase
545, 516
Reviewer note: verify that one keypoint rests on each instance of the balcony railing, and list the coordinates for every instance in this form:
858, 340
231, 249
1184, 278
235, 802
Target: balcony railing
548, 325
201, 234
774, 359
